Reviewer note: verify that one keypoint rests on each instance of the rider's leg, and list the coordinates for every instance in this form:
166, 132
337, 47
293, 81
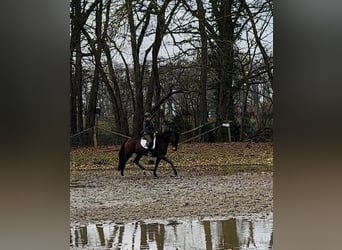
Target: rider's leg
149, 144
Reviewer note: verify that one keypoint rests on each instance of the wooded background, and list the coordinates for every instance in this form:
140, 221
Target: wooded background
187, 62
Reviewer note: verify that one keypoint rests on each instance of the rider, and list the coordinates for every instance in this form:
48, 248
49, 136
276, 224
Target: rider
148, 132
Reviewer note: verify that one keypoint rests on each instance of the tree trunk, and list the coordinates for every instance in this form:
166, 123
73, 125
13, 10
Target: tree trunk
76, 124
78, 20
79, 87
162, 24
73, 109
154, 81
225, 106
138, 72
204, 64
119, 112
97, 51
244, 113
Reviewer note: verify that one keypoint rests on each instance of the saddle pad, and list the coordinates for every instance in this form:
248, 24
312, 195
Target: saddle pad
143, 143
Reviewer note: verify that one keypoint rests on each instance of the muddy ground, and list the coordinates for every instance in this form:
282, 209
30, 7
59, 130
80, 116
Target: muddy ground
215, 180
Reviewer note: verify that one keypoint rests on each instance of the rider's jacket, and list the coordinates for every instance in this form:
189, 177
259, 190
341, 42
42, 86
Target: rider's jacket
148, 127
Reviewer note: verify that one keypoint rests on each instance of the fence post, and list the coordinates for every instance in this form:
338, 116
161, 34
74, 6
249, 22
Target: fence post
94, 129
229, 135
94, 137
227, 125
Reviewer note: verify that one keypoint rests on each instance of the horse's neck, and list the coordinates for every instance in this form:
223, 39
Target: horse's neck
163, 140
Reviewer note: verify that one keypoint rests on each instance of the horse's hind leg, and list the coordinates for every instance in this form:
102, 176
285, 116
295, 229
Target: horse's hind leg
123, 166
123, 159
136, 161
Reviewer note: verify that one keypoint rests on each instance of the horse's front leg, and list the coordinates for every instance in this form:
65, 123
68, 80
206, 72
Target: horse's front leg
156, 166
170, 162
136, 161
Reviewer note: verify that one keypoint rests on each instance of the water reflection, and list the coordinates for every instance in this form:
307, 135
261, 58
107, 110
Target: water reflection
236, 233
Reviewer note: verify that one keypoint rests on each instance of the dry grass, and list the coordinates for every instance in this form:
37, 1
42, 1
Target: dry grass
188, 156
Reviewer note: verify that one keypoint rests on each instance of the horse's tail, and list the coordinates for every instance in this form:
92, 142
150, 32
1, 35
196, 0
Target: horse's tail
122, 156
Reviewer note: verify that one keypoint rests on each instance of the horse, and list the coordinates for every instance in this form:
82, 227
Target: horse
133, 146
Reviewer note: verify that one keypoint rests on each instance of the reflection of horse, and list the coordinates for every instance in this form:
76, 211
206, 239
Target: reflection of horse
133, 146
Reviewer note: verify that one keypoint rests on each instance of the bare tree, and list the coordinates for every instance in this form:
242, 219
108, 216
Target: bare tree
78, 17
111, 83
138, 72
204, 61
163, 22
222, 46
258, 34
96, 46
203, 75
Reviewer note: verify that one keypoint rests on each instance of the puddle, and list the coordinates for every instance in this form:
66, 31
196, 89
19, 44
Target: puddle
236, 233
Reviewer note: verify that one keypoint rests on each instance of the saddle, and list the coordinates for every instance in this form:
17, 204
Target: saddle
143, 143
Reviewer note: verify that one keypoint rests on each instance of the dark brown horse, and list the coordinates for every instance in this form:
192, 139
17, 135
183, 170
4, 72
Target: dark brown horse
133, 146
